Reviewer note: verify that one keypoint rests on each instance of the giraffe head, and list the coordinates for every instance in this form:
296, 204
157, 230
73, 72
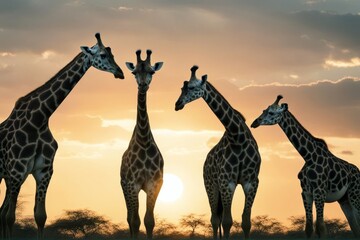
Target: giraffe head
272, 115
101, 58
191, 90
143, 70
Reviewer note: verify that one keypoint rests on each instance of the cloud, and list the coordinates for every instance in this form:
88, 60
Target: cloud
325, 108
353, 62
48, 54
126, 124
311, 84
337, 30
294, 76
78, 150
347, 152
123, 8
7, 54
185, 142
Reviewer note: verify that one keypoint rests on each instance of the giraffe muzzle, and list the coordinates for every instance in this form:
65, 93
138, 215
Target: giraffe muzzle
255, 124
179, 105
119, 74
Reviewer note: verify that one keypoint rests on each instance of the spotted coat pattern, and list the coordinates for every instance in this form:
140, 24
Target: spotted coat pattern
142, 162
234, 160
324, 177
27, 145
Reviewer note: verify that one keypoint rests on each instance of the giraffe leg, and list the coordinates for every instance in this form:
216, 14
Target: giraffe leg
227, 194
42, 182
308, 203
250, 190
15, 185
227, 220
350, 204
216, 219
319, 199
350, 214
3, 210
131, 195
149, 219
216, 208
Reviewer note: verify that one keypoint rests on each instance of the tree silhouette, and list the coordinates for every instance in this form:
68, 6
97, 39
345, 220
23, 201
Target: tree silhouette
236, 227
264, 225
164, 228
193, 222
336, 227
82, 223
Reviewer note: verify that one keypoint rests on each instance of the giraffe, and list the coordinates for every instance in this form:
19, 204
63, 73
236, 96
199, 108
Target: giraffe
27, 144
324, 177
234, 160
142, 163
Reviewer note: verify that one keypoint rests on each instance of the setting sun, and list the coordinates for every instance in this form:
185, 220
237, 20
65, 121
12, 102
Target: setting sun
172, 188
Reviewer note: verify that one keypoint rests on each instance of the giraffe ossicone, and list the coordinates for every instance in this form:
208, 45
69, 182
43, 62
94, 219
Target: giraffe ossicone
324, 177
27, 144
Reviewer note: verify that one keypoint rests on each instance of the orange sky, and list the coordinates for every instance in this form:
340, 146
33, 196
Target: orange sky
251, 51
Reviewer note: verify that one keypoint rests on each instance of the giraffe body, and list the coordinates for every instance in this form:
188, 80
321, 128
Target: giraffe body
234, 160
142, 162
27, 145
324, 177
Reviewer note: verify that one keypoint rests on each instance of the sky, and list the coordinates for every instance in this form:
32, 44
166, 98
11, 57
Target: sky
306, 50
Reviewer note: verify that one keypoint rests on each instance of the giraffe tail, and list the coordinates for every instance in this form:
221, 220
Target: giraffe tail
220, 213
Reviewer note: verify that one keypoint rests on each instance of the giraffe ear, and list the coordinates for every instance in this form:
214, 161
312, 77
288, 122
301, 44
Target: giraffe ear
130, 66
157, 66
284, 106
86, 50
203, 79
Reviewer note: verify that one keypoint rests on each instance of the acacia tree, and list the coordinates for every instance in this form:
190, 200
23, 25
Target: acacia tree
193, 222
335, 227
297, 223
236, 227
164, 228
81, 223
265, 225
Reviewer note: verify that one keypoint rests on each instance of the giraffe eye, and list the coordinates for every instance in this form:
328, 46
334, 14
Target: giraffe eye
191, 88
271, 113
103, 56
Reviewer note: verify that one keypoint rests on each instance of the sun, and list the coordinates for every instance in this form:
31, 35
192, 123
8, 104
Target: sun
171, 189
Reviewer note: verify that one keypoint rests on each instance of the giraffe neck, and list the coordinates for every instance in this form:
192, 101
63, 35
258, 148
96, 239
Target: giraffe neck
51, 94
142, 128
233, 121
304, 142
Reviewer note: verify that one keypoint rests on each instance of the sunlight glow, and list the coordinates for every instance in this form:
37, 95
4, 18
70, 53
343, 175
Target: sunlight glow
172, 188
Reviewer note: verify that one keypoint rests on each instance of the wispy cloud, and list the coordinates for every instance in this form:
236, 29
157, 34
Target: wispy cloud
353, 62
126, 124
123, 8
294, 76
48, 54
7, 54
347, 152
78, 150
277, 84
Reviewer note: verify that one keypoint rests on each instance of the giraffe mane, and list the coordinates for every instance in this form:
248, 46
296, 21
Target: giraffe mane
45, 85
240, 114
318, 140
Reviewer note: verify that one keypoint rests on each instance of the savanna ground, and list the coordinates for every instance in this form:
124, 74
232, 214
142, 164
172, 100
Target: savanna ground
87, 224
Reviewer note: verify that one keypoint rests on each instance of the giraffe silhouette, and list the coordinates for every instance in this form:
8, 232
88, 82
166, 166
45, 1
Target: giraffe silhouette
234, 160
324, 177
142, 163
27, 145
